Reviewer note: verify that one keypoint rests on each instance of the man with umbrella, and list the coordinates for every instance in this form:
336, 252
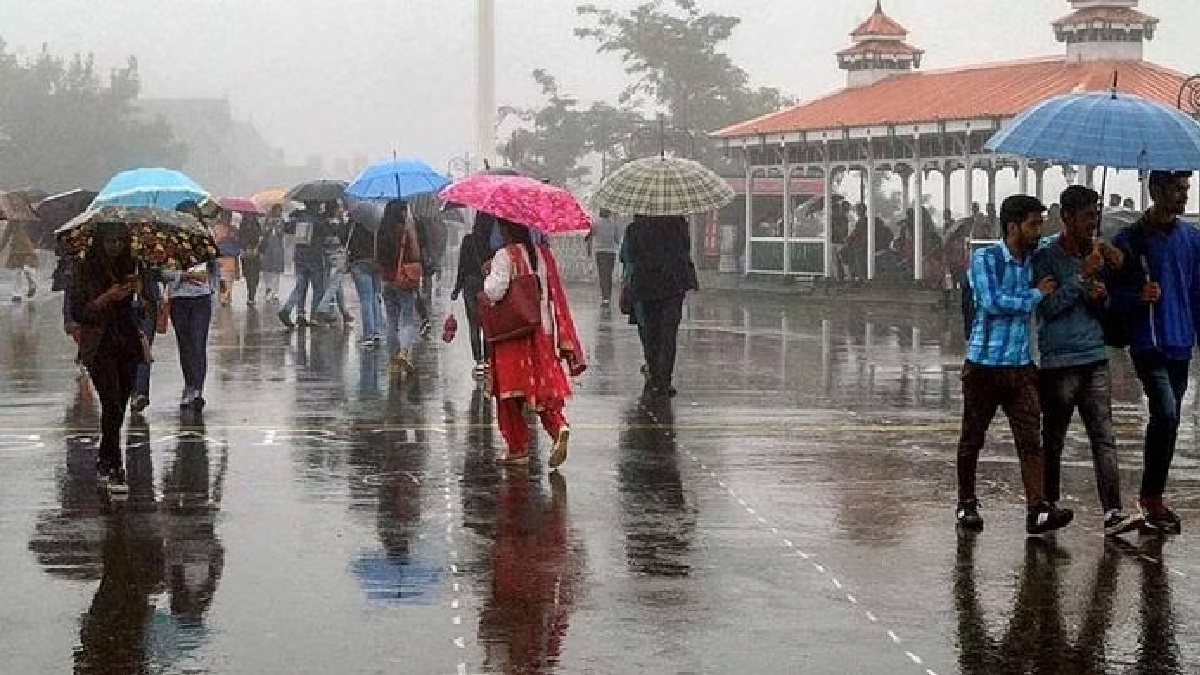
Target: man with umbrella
310, 230
1157, 292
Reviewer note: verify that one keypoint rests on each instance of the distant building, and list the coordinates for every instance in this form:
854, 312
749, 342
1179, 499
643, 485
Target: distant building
226, 155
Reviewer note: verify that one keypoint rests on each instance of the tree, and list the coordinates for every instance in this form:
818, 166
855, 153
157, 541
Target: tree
673, 52
61, 127
553, 141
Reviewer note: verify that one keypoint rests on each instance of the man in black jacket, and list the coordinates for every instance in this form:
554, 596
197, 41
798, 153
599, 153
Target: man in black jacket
656, 252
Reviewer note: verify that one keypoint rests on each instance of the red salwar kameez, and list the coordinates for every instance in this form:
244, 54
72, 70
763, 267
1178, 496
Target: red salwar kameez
526, 372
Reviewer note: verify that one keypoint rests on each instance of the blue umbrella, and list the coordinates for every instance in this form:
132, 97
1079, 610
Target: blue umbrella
1109, 129
396, 179
164, 188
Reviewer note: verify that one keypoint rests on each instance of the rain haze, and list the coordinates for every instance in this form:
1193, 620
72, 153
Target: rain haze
361, 78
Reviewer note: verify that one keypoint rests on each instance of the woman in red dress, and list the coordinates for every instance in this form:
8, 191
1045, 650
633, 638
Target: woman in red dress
526, 371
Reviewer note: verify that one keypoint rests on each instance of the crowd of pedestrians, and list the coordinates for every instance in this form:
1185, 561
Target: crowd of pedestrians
1141, 292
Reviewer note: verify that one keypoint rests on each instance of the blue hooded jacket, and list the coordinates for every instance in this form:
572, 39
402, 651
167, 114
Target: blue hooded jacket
1168, 326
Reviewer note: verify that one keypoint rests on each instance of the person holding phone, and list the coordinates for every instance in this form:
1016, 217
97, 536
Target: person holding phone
191, 293
110, 343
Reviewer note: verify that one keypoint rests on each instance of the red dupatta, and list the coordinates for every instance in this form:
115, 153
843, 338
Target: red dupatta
569, 346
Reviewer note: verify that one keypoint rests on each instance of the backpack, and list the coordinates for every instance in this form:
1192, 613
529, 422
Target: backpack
1119, 326
968, 293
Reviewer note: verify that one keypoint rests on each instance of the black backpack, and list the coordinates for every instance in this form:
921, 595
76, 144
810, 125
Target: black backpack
968, 293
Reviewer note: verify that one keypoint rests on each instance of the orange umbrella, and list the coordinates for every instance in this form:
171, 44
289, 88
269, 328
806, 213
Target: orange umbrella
268, 198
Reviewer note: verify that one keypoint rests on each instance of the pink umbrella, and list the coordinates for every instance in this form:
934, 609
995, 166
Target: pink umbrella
240, 205
543, 207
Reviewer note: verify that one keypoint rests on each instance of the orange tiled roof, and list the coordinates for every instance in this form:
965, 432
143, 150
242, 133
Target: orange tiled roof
1125, 15
879, 24
984, 91
881, 47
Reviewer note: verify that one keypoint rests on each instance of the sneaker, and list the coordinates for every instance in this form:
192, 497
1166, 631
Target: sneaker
118, 487
1159, 518
479, 370
32, 290
198, 403
139, 402
604, 303
966, 516
1046, 517
187, 398
16, 299
377, 339
426, 329
366, 343
285, 319
559, 454
1117, 522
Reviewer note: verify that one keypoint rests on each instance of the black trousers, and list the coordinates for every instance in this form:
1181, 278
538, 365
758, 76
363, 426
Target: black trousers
605, 261
252, 271
479, 346
112, 376
658, 328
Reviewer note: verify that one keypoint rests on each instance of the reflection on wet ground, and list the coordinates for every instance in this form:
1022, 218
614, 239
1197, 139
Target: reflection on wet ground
789, 512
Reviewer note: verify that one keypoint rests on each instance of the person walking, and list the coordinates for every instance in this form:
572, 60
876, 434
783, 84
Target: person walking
473, 253
191, 292
999, 370
250, 236
22, 259
399, 250
309, 228
110, 345
1074, 369
272, 255
337, 234
362, 250
148, 302
526, 371
1157, 293
230, 249
604, 241
656, 252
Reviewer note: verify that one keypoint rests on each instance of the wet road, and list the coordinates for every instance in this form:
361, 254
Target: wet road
790, 512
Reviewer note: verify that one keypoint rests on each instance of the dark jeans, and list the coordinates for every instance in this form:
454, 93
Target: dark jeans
479, 345
112, 376
192, 317
308, 273
605, 261
658, 328
1165, 382
252, 271
1015, 390
1088, 387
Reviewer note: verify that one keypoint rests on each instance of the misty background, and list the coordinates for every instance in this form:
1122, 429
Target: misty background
331, 85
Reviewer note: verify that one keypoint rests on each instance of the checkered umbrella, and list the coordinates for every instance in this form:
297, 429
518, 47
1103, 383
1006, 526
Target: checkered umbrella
662, 186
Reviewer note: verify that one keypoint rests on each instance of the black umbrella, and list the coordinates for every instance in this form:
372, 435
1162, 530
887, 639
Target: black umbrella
367, 214
318, 191
54, 212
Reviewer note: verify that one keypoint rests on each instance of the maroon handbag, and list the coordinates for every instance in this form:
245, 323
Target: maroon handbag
519, 312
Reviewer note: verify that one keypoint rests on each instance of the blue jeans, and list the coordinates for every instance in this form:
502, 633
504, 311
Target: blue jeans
192, 317
308, 273
334, 292
401, 309
141, 375
366, 284
1165, 382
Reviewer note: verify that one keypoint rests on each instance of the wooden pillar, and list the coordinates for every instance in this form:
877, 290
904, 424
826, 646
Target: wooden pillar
787, 213
870, 184
919, 222
749, 214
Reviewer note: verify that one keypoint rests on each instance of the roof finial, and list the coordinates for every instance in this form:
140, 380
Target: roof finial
879, 6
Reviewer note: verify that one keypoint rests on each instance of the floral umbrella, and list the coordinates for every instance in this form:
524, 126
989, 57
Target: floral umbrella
158, 237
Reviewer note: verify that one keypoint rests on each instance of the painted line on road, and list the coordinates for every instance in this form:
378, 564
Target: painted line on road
785, 542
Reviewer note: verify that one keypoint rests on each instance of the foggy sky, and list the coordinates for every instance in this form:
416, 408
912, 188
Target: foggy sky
347, 77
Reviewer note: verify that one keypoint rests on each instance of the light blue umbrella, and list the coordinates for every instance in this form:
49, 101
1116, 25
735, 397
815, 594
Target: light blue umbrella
164, 188
396, 179
1108, 129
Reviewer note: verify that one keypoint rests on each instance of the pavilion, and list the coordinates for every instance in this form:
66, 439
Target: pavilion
892, 116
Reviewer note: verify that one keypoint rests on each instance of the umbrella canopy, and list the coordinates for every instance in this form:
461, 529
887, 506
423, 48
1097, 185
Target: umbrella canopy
269, 198
158, 237
317, 191
498, 171
241, 205
54, 212
662, 186
14, 206
164, 188
1109, 129
541, 206
396, 179
368, 214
